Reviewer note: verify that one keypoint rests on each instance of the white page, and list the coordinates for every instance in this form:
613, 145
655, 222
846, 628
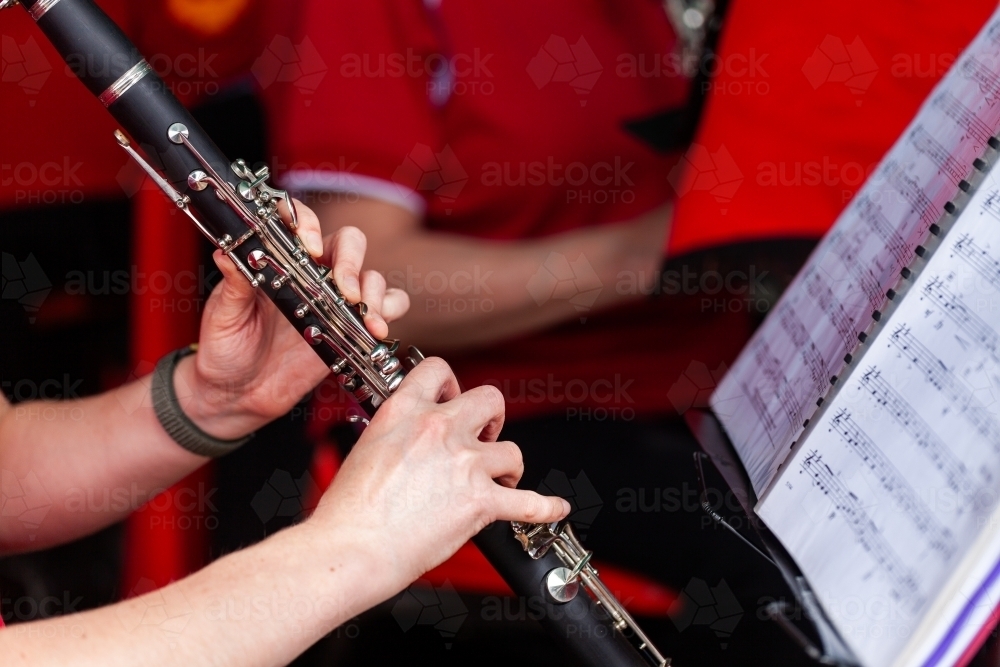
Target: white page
885, 498
773, 387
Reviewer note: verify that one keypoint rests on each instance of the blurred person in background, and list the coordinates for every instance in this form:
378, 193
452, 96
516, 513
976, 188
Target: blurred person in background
499, 160
517, 169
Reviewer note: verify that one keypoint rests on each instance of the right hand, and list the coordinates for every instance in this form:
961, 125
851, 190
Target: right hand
420, 481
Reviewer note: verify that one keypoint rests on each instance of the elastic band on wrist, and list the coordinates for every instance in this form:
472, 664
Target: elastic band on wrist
177, 424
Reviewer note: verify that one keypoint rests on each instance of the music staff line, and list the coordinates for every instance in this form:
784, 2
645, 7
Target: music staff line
963, 117
992, 204
925, 143
817, 288
955, 308
889, 477
954, 471
811, 357
978, 259
872, 214
849, 252
940, 377
771, 369
912, 192
989, 83
868, 535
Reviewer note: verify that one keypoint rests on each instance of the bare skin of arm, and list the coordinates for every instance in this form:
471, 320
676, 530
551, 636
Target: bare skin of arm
445, 314
251, 367
419, 483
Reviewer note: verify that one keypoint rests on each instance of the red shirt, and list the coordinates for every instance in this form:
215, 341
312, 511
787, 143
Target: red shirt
505, 121
799, 136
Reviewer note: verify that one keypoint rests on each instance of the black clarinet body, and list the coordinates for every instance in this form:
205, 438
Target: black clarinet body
236, 211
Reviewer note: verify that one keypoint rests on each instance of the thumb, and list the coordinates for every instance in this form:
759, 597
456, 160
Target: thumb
528, 506
235, 295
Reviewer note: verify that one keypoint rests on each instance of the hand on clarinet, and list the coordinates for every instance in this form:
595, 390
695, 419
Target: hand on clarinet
252, 366
427, 475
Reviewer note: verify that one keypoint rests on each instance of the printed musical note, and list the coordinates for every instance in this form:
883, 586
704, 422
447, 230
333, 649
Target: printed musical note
903, 581
811, 357
955, 308
955, 473
850, 251
992, 204
893, 483
925, 143
912, 192
989, 82
871, 214
939, 537
760, 409
771, 370
963, 116
940, 377
980, 260
818, 289
846, 279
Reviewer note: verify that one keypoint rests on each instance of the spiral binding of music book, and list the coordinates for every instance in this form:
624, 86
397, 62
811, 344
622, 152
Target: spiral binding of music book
863, 413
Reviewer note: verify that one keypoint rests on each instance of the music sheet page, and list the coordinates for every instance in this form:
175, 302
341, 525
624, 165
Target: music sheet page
773, 388
885, 497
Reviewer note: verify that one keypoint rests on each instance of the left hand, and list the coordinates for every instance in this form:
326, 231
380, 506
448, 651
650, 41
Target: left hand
252, 365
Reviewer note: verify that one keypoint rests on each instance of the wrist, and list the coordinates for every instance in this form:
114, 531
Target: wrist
351, 559
211, 407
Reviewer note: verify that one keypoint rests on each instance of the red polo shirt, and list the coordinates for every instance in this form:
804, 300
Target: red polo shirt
505, 121
843, 81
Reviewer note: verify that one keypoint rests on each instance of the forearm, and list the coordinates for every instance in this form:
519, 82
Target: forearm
260, 606
92, 461
467, 292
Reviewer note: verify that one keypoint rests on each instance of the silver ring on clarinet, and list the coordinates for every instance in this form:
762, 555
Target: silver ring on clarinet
177, 424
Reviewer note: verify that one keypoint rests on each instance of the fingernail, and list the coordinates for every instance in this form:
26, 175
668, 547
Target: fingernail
314, 243
566, 506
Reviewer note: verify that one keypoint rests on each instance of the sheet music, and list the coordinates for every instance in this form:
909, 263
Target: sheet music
885, 497
774, 386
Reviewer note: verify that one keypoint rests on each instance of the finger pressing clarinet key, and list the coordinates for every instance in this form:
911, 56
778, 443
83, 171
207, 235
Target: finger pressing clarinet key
308, 229
346, 253
373, 294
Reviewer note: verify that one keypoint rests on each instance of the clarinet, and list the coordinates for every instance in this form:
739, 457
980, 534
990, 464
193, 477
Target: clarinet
237, 211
